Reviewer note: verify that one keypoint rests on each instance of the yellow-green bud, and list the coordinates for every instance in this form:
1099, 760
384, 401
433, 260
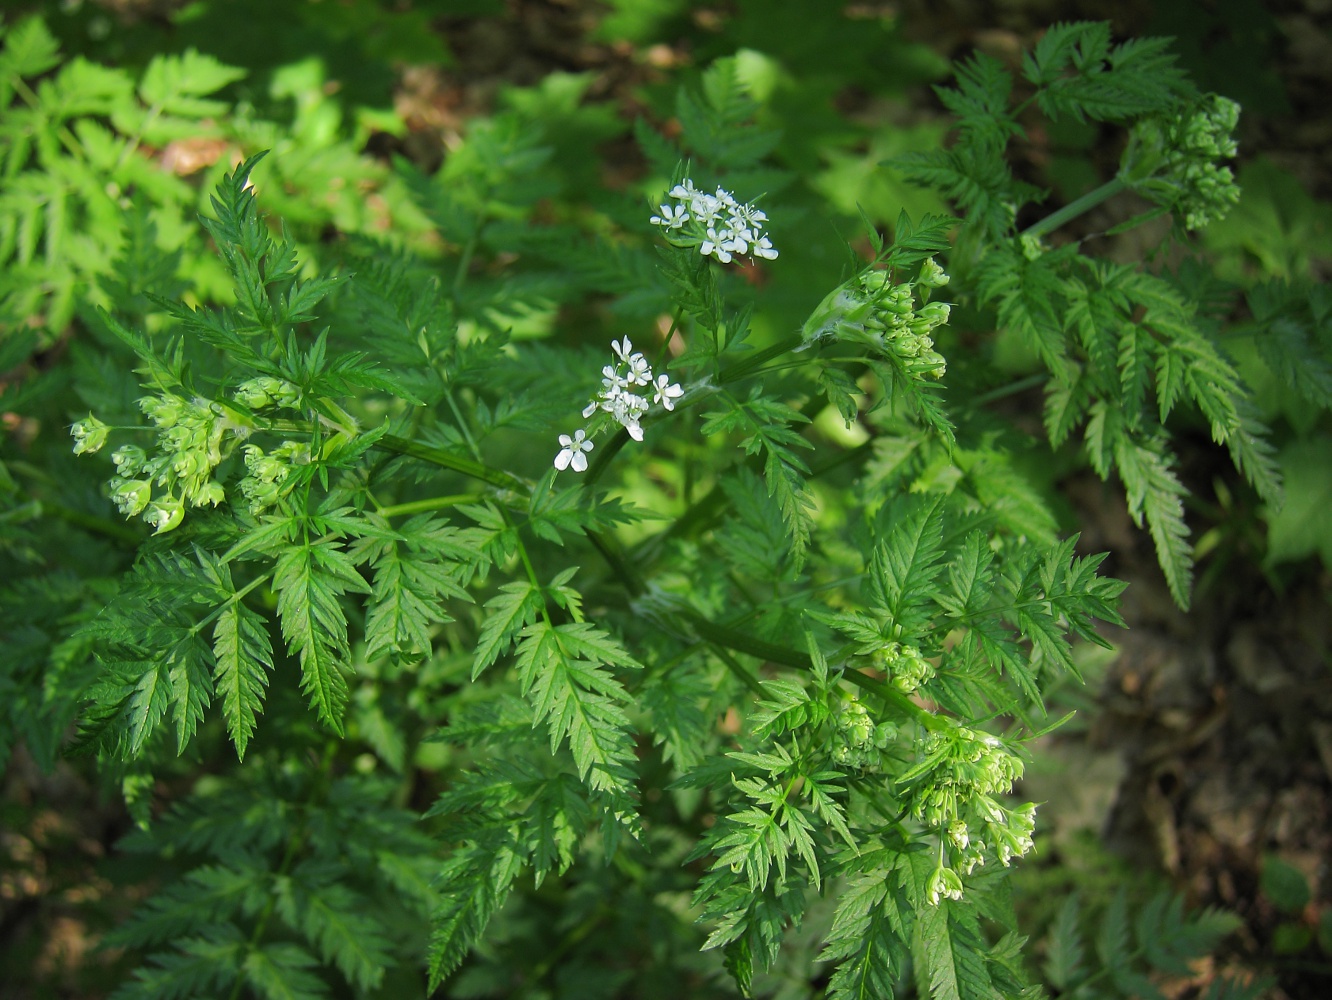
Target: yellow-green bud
89, 435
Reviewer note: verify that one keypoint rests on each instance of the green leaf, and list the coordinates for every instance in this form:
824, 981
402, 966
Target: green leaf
1285, 885
905, 563
1064, 952
309, 579
561, 669
244, 659
516, 605
474, 883
175, 84
281, 971
30, 48
1300, 527
415, 571
1153, 489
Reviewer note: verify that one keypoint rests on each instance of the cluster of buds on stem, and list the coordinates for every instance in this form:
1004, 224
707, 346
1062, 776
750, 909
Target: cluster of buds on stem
1173, 160
624, 397
194, 436
264, 486
954, 791
905, 665
897, 319
717, 224
860, 740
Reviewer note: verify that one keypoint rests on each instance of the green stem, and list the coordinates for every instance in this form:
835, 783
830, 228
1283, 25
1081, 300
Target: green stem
429, 503
528, 567
735, 667
1073, 209
465, 261
721, 635
448, 460
91, 522
739, 370
1012, 389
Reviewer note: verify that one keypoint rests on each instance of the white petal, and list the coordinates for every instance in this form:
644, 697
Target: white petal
565, 440
590, 409
563, 458
580, 462
634, 430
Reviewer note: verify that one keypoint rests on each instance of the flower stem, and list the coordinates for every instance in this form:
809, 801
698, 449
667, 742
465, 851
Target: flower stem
429, 503
448, 460
1075, 208
722, 635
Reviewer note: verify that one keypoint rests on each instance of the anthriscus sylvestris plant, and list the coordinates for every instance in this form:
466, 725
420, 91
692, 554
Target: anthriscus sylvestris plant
759, 667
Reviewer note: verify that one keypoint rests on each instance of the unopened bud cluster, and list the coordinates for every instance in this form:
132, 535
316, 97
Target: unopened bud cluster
859, 739
264, 486
906, 666
1182, 152
620, 398
194, 436
718, 224
893, 318
190, 439
956, 795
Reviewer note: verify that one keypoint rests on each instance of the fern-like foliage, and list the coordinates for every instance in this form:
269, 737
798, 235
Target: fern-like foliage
1124, 954
1123, 346
741, 688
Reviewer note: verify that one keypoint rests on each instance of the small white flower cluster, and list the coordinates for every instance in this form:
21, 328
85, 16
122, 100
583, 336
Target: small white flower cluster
619, 397
718, 224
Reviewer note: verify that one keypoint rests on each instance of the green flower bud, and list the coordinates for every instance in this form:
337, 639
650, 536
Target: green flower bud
932, 275
210, 493
944, 883
165, 514
162, 410
89, 435
935, 313
130, 459
130, 496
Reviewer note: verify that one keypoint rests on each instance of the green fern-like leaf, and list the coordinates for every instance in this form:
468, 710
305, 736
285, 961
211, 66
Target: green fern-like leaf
309, 578
561, 668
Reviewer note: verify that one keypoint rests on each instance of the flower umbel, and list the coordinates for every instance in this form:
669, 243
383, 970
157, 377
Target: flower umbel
619, 398
718, 224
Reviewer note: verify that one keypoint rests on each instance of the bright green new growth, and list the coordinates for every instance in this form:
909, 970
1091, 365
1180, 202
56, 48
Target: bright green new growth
341, 511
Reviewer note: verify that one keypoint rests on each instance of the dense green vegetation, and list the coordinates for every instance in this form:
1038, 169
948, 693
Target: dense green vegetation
600, 534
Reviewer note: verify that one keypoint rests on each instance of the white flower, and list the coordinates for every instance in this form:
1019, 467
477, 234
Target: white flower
671, 217
685, 190
664, 393
763, 248
623, 349
706, 208
640, 372
716, 245
573, 451
612, 382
